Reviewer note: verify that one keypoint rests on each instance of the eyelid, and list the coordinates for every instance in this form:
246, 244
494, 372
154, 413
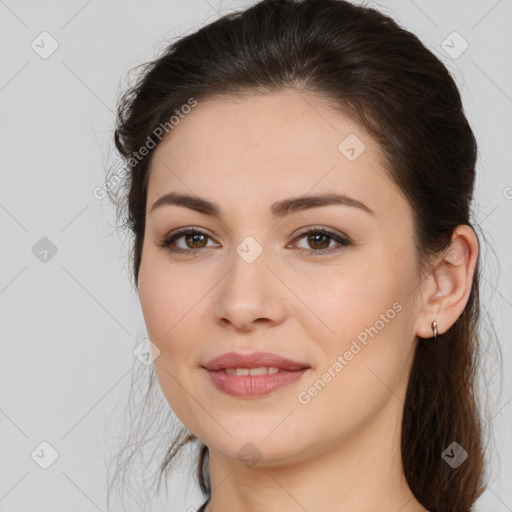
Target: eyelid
319, 228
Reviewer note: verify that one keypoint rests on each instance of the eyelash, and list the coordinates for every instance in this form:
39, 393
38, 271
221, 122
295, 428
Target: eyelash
343, 241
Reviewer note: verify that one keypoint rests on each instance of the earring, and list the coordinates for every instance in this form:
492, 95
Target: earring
434, 329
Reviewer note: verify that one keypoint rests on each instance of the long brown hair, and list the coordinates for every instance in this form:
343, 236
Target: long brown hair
383, 77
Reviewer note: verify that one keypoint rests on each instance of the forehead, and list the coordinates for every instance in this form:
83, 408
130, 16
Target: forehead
263, 147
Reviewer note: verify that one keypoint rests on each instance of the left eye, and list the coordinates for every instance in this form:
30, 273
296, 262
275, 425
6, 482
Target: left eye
320, 239
195, 239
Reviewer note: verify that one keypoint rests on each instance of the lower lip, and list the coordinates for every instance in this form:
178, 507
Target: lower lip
253, 385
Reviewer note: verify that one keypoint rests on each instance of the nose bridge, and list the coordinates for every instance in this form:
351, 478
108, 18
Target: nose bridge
249, 291
249, 275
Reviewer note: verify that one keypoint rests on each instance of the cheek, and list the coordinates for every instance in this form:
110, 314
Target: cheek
167, 297
364, 368
349, 301
368, 316
168, 307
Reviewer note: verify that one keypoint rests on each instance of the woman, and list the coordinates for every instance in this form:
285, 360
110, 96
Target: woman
299, 179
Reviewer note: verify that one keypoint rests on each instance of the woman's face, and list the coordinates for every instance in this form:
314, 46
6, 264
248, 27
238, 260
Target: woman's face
338, 300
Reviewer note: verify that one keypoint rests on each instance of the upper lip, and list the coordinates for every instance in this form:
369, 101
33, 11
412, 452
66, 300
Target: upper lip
253, 360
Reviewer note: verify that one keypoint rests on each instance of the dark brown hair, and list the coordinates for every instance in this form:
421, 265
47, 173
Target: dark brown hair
384, 78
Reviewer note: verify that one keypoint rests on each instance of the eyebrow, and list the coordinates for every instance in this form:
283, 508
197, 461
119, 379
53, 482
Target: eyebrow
279, 209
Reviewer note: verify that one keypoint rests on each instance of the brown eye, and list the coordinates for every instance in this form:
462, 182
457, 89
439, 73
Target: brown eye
318, 241
193, 240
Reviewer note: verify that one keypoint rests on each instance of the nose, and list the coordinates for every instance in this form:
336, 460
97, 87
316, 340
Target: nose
249, 295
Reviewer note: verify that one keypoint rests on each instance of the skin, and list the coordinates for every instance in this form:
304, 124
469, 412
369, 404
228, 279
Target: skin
340, 451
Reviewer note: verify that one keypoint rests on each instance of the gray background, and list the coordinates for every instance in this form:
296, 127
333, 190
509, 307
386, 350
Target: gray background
69, 324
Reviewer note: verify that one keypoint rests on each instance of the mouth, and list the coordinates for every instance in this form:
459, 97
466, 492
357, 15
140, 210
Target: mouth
262, 370
260, 363
247, 386
253, 375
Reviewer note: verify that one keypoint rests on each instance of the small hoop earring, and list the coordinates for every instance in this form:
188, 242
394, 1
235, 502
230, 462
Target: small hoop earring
434, 329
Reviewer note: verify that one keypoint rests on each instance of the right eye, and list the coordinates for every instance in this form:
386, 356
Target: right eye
193, 238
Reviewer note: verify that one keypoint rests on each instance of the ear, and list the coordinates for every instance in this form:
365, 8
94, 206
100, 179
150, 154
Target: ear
445, 291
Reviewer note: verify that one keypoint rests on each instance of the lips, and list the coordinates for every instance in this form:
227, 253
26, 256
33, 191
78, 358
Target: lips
254, 360
254, 386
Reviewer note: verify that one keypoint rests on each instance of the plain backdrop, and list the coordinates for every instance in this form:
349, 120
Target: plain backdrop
69, 317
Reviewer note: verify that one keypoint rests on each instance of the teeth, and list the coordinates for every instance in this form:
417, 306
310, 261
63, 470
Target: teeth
262, 370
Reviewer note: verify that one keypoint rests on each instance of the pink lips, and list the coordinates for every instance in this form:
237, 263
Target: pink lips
253, 385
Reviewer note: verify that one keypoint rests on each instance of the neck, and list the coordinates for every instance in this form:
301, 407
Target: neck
360, 473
